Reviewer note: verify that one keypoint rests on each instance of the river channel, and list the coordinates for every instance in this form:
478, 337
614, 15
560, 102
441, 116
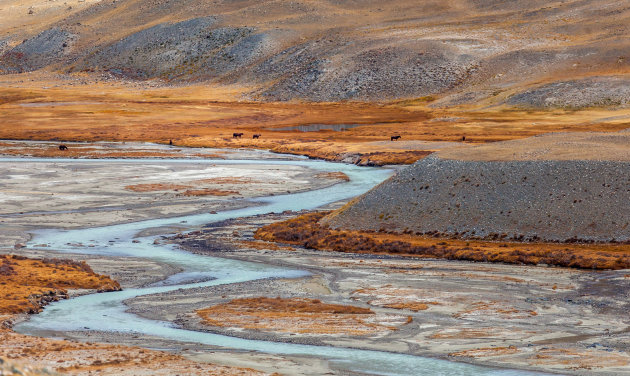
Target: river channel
107, 312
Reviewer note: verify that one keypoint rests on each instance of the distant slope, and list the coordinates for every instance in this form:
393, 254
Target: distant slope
457, 51
532, 189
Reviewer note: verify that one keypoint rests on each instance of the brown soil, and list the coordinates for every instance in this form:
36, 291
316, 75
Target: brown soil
412, 306
227, 180
193, 187
484, 352
295, 315
208, 192
306, 231
29, 284
333, 175
153, 187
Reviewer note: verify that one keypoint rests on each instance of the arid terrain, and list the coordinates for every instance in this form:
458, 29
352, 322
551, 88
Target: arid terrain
197, 72
161, 211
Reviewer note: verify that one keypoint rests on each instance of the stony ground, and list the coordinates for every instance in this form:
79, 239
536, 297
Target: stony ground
533, 54
571, 187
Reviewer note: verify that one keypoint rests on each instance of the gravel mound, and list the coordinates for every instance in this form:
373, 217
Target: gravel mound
577, 94
549, 200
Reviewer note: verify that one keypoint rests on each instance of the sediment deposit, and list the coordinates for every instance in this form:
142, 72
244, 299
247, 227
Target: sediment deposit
539, 189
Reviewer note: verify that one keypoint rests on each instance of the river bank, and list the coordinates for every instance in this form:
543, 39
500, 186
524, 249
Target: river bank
475, 313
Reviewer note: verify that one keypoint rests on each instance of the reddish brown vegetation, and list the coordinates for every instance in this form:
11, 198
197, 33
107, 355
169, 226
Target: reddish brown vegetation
487, 351
412, 306
306, 231
295, 315
208, 192
29, 284
152, 187
333, 175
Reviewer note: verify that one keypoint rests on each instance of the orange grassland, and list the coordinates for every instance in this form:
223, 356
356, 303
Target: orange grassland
34, 106
306, 231
28, 284
294, 315
74, 358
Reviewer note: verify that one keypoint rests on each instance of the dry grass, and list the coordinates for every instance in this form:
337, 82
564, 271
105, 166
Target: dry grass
227, 180
397, 297
579, 359
486, 352
295, 315
465, 333
337, 175
91, 152
306, 231
493, 309
76, 358
28, 284
412, 306
201, 116
208, 192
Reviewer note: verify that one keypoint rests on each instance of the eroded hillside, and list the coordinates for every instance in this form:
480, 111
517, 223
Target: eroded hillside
527, 54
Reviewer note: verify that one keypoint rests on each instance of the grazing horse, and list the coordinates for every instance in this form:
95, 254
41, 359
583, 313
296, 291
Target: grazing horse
394, 138
63, 147
236, 135
256, 136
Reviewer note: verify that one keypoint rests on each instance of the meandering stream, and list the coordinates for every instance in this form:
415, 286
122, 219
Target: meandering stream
106, 311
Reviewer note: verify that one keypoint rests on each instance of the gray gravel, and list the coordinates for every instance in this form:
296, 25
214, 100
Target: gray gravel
518, 200
577, 94
189, 49
42, 50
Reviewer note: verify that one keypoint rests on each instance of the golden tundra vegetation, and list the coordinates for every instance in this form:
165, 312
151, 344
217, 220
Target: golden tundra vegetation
427, 71
434, 72
295, 315
29, 284
306, 230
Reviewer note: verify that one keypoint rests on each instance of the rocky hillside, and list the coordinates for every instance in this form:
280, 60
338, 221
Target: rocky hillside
535, 54
526, 190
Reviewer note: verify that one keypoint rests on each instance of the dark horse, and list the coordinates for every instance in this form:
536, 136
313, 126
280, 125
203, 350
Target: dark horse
63, 147
237, 135
394, 138
256, 136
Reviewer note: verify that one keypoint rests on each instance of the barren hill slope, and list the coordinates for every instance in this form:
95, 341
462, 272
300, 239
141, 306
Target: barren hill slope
526, 53
558, 187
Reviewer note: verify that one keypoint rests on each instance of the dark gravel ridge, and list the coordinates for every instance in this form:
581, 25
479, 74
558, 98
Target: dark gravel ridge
566, 201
